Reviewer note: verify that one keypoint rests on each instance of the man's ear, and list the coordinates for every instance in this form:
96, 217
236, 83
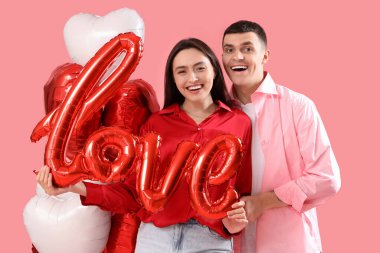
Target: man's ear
266, 56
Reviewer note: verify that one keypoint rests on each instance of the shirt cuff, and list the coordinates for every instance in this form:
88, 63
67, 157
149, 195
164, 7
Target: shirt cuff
93, 192
223, 231
291, 194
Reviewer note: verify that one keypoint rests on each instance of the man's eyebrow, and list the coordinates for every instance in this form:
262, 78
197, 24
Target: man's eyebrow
246, 43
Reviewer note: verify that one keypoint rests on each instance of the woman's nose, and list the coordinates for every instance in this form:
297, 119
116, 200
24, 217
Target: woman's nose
193, 77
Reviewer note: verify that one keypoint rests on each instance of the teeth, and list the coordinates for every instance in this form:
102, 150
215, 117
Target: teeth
239, 68
194, 87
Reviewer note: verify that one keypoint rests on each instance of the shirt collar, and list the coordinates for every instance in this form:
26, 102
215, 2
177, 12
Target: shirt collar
222, 105
266, 87
175, 108
170, 109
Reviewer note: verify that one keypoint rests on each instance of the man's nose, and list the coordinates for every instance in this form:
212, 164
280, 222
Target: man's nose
238, 55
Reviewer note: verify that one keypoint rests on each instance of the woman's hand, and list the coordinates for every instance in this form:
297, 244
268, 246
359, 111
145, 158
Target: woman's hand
236, 219
45, 179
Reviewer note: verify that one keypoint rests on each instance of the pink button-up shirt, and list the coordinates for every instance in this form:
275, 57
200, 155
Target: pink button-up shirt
292, 156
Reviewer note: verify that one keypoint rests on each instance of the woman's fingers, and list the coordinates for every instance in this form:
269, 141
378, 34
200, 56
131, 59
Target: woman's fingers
238, 213
50, 180
237, 209
45, 179
238, 204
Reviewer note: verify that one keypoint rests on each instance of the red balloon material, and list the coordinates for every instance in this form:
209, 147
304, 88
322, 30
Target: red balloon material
99, 165
229, 149
154, 198
55, 91
84, 100
122, 237
59, 84
128, 109
131, 106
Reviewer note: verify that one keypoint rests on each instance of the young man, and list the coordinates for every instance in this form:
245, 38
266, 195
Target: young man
294, 168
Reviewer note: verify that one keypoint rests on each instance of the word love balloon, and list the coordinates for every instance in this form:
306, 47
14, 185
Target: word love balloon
85, 99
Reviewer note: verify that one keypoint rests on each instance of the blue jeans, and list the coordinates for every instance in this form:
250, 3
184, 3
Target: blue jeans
187, 237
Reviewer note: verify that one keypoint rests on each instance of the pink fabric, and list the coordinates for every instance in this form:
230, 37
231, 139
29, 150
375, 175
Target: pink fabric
298, 165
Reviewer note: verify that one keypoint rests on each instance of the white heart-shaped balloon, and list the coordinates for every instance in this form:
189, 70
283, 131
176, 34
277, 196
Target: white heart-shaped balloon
62, 224
86, 33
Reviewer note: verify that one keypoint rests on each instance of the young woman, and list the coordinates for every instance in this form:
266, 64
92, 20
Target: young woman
197, 108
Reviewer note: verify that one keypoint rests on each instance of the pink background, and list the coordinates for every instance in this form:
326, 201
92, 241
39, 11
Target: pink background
328, 50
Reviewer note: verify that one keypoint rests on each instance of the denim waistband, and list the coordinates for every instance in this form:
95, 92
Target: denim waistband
192, 221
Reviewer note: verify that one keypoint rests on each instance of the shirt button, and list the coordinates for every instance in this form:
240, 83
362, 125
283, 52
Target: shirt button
199, 129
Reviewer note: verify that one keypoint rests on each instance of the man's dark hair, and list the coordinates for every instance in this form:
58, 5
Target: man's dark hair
244, 26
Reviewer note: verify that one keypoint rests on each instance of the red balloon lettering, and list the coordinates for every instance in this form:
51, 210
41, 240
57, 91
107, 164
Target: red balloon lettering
154, 199
201, 173
230, 149
84, 99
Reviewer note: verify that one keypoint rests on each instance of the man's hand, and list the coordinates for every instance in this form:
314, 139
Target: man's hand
257, 204
253, 206
236, 219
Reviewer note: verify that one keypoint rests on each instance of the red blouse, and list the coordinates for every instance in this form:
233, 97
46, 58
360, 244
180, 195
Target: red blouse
175, 126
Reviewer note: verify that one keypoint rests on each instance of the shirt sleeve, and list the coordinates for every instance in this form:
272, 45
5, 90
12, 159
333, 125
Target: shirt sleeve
244, 176
117, 198
320, 178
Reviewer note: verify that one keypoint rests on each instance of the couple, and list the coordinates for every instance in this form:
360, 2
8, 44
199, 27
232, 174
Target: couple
292, 170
